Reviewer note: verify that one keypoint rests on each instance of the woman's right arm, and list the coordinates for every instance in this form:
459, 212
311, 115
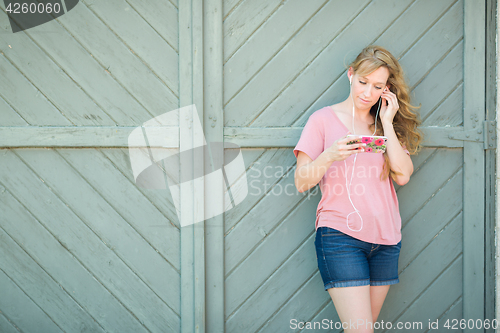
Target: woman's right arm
308, 172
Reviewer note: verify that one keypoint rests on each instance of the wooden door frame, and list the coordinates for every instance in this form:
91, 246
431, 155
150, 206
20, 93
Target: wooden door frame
474, 162
491, 93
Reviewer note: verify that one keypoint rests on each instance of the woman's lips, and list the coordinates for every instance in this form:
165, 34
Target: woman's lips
364, 101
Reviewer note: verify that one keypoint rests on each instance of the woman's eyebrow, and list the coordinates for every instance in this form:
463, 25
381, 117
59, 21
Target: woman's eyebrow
364, 77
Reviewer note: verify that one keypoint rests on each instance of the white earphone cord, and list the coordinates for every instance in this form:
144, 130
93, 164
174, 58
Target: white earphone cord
354, 164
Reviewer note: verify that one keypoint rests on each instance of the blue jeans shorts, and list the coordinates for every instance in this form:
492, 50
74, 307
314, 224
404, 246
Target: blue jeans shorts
345, 261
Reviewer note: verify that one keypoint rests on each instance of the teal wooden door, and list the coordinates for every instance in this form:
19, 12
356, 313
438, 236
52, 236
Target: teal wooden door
276, 76
83, 248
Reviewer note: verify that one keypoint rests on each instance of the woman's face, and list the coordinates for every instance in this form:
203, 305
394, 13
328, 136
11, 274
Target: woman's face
366, 90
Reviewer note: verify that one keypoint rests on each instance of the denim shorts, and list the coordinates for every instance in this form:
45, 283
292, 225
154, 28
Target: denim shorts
345, 261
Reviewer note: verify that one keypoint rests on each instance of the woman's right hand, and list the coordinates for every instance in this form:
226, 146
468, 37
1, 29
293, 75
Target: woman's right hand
340, 150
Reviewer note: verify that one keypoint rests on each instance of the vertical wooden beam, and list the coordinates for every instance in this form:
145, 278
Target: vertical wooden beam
214, 132
192, 200
186, 98
491, 102
474, 164
199, 191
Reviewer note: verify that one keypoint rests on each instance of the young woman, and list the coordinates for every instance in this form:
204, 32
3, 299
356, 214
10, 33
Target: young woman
358, 225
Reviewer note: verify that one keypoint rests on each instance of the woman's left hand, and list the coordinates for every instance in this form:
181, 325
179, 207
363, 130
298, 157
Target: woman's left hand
389, 106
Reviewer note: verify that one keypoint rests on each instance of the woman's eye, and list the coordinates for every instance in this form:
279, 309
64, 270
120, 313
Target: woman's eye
362, 82
378, 87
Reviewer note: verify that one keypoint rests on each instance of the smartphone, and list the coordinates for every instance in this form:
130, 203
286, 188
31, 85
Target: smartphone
374, 143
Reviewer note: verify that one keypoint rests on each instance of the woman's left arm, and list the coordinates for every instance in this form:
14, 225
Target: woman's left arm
399, 160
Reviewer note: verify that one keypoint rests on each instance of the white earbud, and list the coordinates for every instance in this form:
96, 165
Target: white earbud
348, 185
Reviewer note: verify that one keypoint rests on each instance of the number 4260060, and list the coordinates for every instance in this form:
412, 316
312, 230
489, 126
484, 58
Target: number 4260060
25, 8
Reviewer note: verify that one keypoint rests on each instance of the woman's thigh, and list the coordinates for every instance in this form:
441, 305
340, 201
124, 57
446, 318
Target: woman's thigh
353, 307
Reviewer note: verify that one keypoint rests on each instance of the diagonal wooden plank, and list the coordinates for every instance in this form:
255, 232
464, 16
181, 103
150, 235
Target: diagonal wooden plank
6, 325
444, 206
63, 93
447, 113
414, 68
10, 117
398, 37
330, 314
262, 45
162, 200
455, 313
21, 313
409, 28
440, 82
137, 35
268, 255
106, 226
244, 20
275, 162
49, 293
275, 290
304, 303
282, 68
250, 155
92, 77
443, 29
422, 157
125, 67
255, 226
419, 160
100, 255
448, 285
162, 16
32, 106
425, 183
416, 278
126, 199
229, 6
444, 34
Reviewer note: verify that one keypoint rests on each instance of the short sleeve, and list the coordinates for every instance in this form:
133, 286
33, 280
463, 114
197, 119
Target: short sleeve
312, 139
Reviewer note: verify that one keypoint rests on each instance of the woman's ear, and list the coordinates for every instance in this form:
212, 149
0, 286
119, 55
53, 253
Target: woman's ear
350, 73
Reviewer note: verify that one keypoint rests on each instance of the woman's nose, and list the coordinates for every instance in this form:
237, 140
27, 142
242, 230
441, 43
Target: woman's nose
367, 92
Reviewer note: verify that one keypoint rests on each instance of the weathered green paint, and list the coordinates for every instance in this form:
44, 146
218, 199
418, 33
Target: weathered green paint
84, 248
474, 163
490, 160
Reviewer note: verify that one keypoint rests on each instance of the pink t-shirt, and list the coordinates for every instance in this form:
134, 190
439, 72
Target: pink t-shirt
379, 221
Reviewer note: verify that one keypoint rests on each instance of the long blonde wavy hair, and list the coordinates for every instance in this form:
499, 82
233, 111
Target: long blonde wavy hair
406, 120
